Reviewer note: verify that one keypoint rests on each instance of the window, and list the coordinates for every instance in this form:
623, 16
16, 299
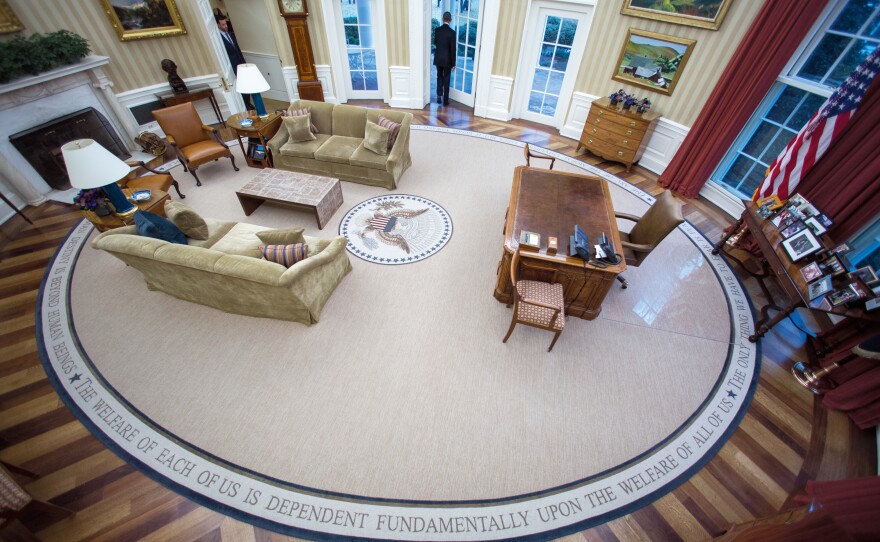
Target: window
357, 24
552, 64
849, 35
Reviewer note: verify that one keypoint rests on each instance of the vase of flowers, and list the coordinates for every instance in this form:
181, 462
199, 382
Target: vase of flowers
643, 105
618, 97
94, 200
629, 102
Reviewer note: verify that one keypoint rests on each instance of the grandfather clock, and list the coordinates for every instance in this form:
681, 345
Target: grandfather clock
295, 13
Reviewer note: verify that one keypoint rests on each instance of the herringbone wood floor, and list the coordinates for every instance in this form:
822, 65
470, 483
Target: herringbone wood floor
785, 438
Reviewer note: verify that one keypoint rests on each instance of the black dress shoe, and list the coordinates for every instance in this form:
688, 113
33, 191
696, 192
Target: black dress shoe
439, 99
446, 102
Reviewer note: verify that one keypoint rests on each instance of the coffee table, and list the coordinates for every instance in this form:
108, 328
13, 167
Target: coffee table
323, 195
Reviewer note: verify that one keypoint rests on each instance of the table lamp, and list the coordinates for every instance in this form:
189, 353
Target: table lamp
249, 80
89, 165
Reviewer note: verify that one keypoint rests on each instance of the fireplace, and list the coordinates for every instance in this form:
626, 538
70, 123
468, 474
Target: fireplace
41, 145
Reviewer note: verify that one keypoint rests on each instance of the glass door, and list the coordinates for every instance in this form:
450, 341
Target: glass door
362, 81
466, 22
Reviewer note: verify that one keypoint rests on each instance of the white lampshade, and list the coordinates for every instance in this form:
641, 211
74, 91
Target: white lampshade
89, 165
249, 80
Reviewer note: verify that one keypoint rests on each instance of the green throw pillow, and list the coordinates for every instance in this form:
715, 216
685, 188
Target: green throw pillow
190, 223
299, 128
376, 138
290, 236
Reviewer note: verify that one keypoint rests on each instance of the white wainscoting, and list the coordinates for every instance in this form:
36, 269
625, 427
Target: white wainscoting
325, 76
662, 145
401, 89
270, 67
150, 93
498, 104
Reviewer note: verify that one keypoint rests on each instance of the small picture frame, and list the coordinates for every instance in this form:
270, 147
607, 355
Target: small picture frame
792, 229
811, 272
815, 225
801, 244
821, 303
833, 265
772, 202
872, 304
797, 200
529, 240
859, 289
824, 220
820, 287
842, 296
866, 274
842, 248
808, 210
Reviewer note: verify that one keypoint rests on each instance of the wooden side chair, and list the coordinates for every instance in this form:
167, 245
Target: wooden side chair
194, 142
535, 303
649, 230
15, 500
529, 155
157, 181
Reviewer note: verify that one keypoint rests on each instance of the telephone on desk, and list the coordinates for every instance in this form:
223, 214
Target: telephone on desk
579, 245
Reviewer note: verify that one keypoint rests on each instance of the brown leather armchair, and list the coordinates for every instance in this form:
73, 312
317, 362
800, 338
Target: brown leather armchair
158, 181
194, 142
661, 218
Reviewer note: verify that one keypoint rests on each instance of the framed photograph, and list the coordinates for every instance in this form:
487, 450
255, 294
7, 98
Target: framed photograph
652, 61
137, 20
771, 201
859, 289
792, 229
8, 21
801, 244
824, 220
866, 274
821, 303
701, 14
833, 265
808, 210
820, 287
815, 226
840, 249
811, 272
872, 304
797, 200
839, 297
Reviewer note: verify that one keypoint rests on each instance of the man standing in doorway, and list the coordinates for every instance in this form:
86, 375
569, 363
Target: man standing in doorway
233, 51
444, 57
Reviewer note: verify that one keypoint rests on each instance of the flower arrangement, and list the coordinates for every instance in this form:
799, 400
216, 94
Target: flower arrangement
93, 199
630, 101
644, 105
618, 96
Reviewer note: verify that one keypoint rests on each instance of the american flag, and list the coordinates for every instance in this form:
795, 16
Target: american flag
816, 137
383, 223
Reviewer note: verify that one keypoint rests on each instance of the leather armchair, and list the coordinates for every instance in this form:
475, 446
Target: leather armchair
158, 181
194, 142
660, 219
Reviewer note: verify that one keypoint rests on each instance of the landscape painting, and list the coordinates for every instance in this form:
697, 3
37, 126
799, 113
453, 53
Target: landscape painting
700, 13
141, 19
652, 61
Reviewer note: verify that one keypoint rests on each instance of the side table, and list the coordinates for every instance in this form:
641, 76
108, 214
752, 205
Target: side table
258, 134
194, 95
156, 204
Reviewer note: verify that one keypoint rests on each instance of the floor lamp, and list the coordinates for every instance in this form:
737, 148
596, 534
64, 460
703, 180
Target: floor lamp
89, 165
249, 80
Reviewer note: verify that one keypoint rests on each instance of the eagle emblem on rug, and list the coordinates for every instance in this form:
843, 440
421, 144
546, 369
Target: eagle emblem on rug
396, 229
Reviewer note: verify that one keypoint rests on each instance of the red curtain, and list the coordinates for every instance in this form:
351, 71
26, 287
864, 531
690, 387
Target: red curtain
852, 504
857, 380
764, 51
845, 183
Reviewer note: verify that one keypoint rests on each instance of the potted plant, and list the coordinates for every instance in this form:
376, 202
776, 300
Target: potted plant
643, 106
39, 53
618, 97
94, 200
629, 102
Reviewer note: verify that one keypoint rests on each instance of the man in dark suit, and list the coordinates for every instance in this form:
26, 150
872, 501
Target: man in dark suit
444, 57
233, 51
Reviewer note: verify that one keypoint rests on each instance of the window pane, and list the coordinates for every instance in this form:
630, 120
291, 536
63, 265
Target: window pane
560, 60
354, 60
852, 16
549, 108
551, 29
540, 81
554, 86
472, 33
475, 7
753, 180
363, 12
546, 56
760, 139
785, 104
369, 59
366, 33
371, 81
566, 34
459, 50
850, 61
805, 110
782, 139
468, 82
823, 57
734, 176
357, 80
535, 101
351, 35
873, 28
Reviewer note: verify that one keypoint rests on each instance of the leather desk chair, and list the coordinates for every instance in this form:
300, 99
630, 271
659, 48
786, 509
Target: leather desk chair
649, 230
536, 304
194, 142
158, 181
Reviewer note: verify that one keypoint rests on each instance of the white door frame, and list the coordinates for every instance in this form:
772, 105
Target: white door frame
489, 19
338, 57
584, 12
460, 96
227, 74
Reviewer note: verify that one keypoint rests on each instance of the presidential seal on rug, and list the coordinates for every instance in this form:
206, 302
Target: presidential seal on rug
396, 230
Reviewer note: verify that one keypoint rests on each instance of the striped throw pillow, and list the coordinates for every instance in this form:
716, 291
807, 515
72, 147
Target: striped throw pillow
391, 125
286, 255
292, 112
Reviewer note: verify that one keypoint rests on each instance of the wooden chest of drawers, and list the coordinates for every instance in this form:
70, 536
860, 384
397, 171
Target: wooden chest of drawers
617, 134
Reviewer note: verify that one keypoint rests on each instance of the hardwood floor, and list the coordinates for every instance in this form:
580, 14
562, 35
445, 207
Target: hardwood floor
785, 439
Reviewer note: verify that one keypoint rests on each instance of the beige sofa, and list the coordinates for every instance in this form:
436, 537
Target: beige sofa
226, 271
338, 149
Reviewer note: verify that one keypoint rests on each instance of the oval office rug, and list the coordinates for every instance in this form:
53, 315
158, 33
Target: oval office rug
401, 415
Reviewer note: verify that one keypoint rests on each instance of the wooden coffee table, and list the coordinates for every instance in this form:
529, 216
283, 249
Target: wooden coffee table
323, 195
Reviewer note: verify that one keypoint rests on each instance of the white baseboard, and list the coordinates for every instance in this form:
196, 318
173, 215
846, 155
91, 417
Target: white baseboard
498, 104
725, 201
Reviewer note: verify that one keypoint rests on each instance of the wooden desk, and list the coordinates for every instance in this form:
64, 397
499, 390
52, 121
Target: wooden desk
787, 273
261, 129
194, 95
551, 203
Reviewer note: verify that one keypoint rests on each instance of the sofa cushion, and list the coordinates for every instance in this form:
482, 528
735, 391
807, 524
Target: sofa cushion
190, 222
286, 255
338, 149
242, 240
298, 128
289, 236
376, 138
217, 229
394, 128
349, 120
304, 149
364, 157
299, 111
158, 227
322, 114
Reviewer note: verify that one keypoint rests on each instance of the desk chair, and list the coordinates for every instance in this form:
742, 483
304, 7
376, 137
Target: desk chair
813, 380
194, 142
537, 304
158, 181
528, 152
649, 230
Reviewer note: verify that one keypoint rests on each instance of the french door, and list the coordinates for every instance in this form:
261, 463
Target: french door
359, 34
466, 23
555, 41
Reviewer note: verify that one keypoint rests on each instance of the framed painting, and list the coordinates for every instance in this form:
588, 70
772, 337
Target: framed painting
8, 21
137, 20
652, 61
699, 13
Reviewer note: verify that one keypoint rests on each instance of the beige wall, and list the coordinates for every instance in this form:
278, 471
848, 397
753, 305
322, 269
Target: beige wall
511, 21
397, 29
133, 64
709, 58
